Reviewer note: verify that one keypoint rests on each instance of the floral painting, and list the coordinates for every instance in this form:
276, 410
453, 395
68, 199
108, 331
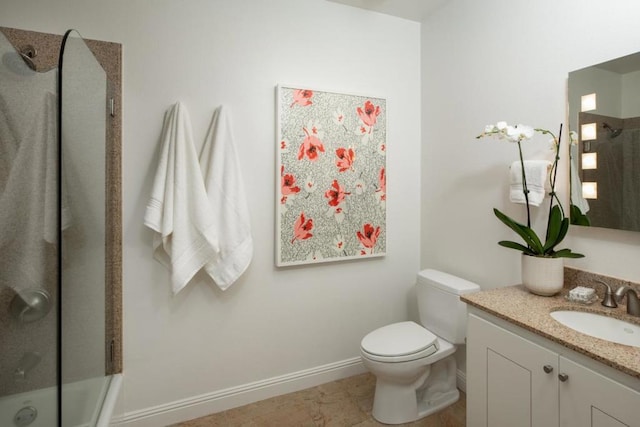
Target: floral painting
331, 176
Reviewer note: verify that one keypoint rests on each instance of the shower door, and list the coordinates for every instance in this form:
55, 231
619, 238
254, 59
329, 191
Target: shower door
56, 314
28, 240
83, 124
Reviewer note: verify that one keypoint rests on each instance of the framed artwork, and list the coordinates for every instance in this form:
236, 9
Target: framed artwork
331, 176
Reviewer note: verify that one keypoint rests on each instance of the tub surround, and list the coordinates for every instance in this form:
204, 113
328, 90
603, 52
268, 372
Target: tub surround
518, 306
109, 55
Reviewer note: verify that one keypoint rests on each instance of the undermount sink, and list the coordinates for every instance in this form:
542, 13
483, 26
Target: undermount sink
599, 326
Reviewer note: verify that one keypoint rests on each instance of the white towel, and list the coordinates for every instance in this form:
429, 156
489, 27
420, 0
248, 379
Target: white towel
225, 189
179, 209
536, 172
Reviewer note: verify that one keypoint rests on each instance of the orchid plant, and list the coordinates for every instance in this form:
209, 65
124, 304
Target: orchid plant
557, 223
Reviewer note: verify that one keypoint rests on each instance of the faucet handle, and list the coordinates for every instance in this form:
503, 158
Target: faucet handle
620, 293
608, 300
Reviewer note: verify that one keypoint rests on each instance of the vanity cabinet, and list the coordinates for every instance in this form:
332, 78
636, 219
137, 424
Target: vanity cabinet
513, 381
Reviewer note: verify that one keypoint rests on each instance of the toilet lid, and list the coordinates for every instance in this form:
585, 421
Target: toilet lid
398, 339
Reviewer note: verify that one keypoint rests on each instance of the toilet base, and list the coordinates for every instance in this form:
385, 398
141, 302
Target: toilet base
397, 403
434, 405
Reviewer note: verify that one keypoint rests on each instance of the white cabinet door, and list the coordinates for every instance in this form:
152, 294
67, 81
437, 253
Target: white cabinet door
507, 384
588, 398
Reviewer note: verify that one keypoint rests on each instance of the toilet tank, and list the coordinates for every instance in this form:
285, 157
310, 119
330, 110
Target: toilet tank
439, 305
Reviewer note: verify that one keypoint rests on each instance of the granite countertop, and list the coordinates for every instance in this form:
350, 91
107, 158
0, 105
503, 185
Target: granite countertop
518, 306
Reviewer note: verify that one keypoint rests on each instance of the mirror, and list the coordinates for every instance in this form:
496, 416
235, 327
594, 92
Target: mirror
604, 111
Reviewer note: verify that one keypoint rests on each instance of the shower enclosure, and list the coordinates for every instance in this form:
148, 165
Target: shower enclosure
59, 266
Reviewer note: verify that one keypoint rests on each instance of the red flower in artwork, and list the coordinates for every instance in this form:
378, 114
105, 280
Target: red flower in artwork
335, 194
369, 238
302, 228
288, 183
310, 147
370, 114
302, 97
345, 159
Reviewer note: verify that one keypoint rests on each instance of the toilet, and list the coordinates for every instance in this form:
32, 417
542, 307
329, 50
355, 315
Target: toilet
414, 364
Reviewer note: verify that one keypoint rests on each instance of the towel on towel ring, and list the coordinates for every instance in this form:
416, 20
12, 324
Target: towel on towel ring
536, 172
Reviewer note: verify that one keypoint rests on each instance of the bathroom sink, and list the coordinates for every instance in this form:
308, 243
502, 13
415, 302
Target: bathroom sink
599, 326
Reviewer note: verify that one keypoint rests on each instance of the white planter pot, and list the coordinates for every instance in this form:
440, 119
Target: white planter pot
542, 276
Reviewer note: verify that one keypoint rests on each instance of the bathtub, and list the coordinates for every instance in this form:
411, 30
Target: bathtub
86, 403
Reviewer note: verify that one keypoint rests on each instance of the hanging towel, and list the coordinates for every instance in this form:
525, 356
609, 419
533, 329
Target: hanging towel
179, 210
536, 172
225, 190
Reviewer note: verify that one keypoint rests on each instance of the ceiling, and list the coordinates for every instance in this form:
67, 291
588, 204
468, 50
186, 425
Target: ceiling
415, 10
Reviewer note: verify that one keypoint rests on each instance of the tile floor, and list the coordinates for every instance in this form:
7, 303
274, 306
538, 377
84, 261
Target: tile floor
342, 403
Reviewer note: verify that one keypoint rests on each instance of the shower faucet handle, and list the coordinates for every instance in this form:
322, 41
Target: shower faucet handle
30, 305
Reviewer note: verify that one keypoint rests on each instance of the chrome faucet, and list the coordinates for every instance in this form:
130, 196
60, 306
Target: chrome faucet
608, 300
633, 304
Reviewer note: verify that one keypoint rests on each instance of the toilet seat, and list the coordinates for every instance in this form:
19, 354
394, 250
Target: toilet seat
399, 342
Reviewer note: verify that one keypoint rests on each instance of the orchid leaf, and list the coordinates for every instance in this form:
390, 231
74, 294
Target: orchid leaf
553, 224
516, 246
527, 234
566, 253
563, 230
556, 229
577, 217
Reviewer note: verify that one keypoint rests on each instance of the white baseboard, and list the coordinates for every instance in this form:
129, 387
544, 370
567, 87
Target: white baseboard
209, 403
461, 380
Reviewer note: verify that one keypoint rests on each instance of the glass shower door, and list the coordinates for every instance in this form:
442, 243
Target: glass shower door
28, 241
55, 334
83, 116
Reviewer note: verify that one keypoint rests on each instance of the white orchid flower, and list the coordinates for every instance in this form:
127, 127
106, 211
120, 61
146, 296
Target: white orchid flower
519, 132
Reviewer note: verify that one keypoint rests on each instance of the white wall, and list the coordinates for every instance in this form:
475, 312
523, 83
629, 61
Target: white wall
211, 52
507, 60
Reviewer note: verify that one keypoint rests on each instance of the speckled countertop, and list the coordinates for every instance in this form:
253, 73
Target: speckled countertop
520, 307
